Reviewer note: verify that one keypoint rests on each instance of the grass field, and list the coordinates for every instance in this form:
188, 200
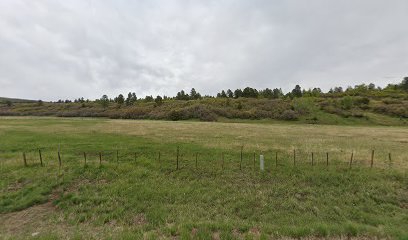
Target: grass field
135, 192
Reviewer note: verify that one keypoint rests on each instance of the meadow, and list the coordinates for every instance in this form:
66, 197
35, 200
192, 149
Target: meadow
147, 179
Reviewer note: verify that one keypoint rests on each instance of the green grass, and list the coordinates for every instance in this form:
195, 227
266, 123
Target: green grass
147, 198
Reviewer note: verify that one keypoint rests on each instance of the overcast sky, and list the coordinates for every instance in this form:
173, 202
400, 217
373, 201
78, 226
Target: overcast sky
54, 50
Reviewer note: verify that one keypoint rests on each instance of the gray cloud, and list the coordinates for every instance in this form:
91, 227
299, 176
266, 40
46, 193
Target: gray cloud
69, 49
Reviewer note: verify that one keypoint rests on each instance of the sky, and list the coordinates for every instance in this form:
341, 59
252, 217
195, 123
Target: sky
58, 49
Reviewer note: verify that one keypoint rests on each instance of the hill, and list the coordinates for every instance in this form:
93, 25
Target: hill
363, 104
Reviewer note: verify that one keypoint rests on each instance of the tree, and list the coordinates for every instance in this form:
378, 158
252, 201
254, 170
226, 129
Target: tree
230, 94
9, 103
267, 93
250, 92
371, 86
338, 90
120, 99
182, 96
149, 99
238, 93
297, 91
131, 99
104, 100
158, 100
277, 93
404, 84
223, 94
194, 95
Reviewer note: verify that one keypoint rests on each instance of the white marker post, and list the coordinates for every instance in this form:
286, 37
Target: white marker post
261, 162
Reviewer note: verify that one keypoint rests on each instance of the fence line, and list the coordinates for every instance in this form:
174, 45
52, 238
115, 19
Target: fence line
226, 160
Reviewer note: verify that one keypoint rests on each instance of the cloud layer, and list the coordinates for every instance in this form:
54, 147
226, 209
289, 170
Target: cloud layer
68, 49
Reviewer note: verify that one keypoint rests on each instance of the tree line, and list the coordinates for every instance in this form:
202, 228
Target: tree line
249, 92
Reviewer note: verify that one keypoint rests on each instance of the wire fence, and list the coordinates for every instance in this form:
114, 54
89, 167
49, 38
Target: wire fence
216, 159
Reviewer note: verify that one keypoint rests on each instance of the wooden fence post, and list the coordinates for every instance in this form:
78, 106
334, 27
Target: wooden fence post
351, 158
372, 158
39, 153
327, 159
85, 158
276, 159
196, 160
25, 159
59, 160
389, 158
240, 163
177, 162
222, 156
294, 157
160, 164
254, 160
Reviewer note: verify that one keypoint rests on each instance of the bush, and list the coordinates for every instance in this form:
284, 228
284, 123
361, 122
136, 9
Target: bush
289, 115
175, 115
346, 102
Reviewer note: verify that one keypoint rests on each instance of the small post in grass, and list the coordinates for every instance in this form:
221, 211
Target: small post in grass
389, 160
240, 163
312, 160
85, 159
254, 160
177, 158
261, 162
59, 160
25, 159
222, 157
159, 158
39, 153
351, 158
196, 162
327, 159
276, 159
100, 159
294, 157
372, 159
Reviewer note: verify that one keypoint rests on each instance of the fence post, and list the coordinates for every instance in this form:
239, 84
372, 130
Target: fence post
372, 158
39, 153
25, 159
351, 158
389, 158
294, 157
222, 156
261, 162
240, 163
327, 159
254, 160
59, 160
100, 159
276, 158
85, 158
312, 160
177, 162
160, 164
196, 162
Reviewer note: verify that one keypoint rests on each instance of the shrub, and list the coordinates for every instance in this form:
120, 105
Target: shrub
175, 115
289, 115
346, 102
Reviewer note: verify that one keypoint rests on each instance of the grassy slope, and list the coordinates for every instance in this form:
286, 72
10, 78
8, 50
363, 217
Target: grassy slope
148, 198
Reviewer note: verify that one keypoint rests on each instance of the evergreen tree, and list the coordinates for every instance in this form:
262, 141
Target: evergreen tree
297, 91
230, 94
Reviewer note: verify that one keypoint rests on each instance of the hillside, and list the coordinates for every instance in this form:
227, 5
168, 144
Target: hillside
363, 104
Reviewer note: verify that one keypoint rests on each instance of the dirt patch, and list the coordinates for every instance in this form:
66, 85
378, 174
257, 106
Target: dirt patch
28, 221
